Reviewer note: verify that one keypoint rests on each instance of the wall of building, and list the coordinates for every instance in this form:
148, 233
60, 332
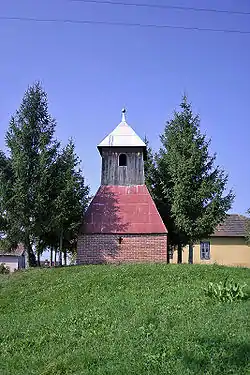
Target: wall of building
113, 174
21, 261
109, 248
10, 261
230, 251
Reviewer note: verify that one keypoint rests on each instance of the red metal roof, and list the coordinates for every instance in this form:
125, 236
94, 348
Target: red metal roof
123, 209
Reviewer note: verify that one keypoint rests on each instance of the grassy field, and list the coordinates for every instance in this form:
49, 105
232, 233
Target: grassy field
129, 319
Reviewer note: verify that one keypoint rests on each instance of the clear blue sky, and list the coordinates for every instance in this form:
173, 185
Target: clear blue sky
91, 71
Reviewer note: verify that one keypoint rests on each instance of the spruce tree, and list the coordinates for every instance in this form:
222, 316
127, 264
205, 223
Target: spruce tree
155, 177
32, 149
192, 187
69, 202
43, 194
149, 168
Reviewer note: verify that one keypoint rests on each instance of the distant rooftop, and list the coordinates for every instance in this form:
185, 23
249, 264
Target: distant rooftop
122, 136
233, 226
18, 251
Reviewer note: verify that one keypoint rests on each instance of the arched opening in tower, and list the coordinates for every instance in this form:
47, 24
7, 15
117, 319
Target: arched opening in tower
122, 160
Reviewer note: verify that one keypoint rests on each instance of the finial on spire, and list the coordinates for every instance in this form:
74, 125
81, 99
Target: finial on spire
123, 115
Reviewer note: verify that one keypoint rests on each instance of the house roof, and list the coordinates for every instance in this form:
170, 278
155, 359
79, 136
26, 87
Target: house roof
123, 209
122, 136
15, 252
233, 226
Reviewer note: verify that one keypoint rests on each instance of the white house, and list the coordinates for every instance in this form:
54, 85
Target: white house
14, 259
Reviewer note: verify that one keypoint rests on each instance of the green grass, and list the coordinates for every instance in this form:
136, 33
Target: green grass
122, 320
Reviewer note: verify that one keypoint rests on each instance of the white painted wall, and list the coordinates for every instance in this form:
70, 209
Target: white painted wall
10, 261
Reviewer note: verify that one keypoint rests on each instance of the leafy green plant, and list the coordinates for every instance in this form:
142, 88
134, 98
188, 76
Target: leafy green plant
4, 270
227, 291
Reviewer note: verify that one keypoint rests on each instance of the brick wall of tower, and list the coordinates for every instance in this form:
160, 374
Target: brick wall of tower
114, 248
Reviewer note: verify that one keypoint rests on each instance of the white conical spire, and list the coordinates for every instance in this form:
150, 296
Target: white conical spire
122, 136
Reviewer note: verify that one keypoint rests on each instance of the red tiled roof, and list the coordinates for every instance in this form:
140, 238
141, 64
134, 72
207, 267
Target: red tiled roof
123, 209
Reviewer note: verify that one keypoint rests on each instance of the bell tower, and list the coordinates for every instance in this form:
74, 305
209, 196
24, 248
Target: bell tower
122, 154
122, 223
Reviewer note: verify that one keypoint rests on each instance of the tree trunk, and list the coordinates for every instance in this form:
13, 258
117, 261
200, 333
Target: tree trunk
31, 256
55, 258
190, 253
169, 253
65, 257
179, 253
60, 248
38, 259
51, 257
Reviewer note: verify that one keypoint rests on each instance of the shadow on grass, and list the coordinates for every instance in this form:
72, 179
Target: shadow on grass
218, 356
246, 296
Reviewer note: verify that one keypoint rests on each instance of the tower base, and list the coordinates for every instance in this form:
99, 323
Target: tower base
123, 248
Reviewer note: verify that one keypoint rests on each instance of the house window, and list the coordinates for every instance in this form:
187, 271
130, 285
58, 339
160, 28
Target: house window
122, 160
205, 250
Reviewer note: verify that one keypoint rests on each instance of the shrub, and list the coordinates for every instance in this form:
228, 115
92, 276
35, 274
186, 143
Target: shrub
4, 270
228, 291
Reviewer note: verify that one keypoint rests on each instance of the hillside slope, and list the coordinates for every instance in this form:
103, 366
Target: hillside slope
122, 320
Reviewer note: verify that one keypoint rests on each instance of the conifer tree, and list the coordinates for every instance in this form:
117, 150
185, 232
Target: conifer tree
33, 151
192, 187
155, 177
42, 193
149, 168
69, 202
